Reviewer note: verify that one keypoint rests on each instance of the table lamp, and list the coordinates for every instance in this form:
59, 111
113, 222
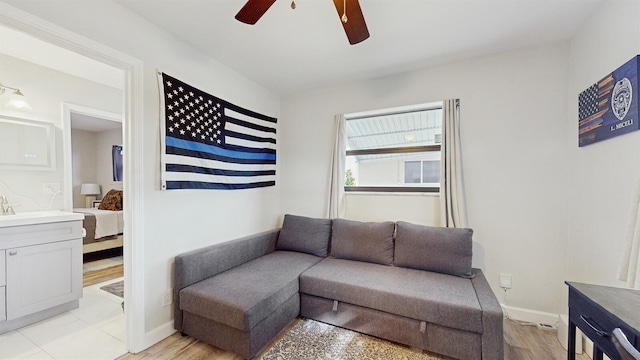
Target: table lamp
91, 190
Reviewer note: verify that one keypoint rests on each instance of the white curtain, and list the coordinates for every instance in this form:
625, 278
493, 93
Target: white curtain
336, 190
629, 269
452, 202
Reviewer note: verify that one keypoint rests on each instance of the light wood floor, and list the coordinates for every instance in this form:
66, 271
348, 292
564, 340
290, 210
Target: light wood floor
94, 277
521, 342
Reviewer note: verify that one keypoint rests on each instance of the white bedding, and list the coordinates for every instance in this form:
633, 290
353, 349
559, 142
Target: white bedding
108, 222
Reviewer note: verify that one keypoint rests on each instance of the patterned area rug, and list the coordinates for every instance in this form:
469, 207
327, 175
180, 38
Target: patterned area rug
116, 288
310, 339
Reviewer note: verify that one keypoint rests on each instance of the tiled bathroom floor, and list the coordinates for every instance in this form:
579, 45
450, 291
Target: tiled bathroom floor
96, 330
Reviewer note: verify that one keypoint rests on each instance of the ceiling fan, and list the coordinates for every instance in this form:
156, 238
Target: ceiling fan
349, 12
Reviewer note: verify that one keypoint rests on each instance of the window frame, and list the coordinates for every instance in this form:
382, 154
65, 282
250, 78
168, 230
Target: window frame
395, 150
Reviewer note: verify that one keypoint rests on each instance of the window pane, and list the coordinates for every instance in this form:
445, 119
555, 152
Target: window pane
412, 172
431, 171
388, 169
415, 128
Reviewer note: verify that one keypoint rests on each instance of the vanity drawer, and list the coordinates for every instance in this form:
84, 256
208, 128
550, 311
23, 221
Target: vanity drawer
3, 274
19, 236
3, 304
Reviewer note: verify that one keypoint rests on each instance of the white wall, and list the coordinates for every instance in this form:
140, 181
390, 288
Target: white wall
92, 163
104, 160
514, 159
46, 89
601, 174
423, 209
84, 164
174, 221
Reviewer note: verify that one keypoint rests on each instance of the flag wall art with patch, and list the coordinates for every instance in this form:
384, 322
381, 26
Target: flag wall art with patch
609, 107
209, 143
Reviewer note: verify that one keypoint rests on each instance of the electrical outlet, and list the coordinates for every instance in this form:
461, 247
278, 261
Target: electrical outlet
167, 299
505, 281
50, 188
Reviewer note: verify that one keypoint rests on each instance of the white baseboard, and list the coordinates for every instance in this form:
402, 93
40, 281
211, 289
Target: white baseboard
158, 334
528, 315
535, 316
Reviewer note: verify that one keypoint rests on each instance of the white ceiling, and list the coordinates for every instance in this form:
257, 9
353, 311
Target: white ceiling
296, 50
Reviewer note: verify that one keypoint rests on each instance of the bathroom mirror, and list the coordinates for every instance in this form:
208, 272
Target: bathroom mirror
26, 144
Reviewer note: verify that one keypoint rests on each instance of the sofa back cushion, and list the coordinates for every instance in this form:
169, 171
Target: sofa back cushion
363, 241
305, 235
443, 250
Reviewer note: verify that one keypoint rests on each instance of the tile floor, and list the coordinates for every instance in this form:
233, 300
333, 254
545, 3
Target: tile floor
96, 330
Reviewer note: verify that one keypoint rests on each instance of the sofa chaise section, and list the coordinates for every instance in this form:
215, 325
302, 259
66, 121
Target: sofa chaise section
254, 301
200, 264
239, 295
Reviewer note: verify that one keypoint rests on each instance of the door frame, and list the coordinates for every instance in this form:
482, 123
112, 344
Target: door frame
133, 251
67, 151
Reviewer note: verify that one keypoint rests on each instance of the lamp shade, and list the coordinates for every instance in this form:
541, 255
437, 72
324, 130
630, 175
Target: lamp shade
90, 189
18, 101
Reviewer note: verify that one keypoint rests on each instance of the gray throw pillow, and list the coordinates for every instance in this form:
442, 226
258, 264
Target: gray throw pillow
306, 235
363, 241
439, 249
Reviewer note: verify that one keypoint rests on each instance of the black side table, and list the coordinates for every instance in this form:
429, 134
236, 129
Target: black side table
596, 311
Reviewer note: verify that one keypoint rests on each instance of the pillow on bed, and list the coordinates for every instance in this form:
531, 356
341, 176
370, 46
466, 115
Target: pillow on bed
443, 250
111, 201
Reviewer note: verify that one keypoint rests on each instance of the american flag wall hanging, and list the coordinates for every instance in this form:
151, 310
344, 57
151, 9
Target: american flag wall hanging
209, 143
609, 107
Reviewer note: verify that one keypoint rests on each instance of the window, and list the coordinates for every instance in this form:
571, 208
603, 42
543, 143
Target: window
422, 172
394, 150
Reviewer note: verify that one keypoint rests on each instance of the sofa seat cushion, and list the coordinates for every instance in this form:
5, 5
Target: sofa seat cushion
436, 298
243, 296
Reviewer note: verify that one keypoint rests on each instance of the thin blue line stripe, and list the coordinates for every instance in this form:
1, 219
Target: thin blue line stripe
202, 155
192, 145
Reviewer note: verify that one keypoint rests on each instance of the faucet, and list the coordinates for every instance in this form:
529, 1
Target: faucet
5, 208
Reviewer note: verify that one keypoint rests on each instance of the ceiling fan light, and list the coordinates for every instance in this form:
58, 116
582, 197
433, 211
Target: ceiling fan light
18, 101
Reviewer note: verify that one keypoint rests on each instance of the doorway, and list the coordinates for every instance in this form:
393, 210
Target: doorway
132, 76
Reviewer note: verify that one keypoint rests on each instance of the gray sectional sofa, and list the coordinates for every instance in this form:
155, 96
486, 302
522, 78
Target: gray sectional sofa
406, 283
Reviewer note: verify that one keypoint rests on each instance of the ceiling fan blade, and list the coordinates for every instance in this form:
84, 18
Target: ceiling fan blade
253, 10
355, 27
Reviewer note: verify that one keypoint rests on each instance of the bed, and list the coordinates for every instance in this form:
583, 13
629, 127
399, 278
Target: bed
103, 229
103, 226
